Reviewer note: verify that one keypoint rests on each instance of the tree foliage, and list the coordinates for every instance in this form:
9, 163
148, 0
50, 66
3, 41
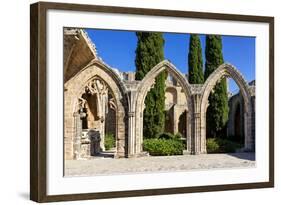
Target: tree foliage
217, 112
149, 53
195, 62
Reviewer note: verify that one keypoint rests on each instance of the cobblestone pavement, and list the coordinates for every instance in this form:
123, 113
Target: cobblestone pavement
107, 166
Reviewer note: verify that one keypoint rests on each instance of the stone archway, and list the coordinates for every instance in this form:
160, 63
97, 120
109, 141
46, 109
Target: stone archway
227, 70
141, 91
74, 89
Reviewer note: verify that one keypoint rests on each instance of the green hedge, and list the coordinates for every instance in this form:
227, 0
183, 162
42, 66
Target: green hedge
163, 147
218, 145
165, 135
109, 141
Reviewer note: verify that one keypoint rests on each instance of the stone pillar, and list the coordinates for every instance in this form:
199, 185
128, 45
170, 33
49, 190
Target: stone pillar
120, 135
203, 146
196, 145
140, 148
253, 125
103, 103
131, 134
188, 134
78, 133
133, 144
249, 141
175, 120
197, 133
77, 136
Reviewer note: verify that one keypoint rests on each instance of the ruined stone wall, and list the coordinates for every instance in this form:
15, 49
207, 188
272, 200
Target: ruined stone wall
235, 102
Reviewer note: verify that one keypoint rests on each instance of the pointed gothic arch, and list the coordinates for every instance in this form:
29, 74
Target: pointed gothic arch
75, 88
228, 70
143, 88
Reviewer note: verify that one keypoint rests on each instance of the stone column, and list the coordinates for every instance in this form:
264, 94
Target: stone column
120, 135
78, 133
140, 148
253, 125
175, 119
203, 145
188, 134
103, 104
197, 133
131, 134
133, 144
249, 142
196, 145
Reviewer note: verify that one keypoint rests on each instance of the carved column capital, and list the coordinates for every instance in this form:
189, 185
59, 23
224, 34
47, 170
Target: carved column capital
76, 114
131, 114
82, 115
197, 115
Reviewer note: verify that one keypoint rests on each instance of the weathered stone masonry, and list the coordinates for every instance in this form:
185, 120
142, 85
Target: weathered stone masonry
128, 98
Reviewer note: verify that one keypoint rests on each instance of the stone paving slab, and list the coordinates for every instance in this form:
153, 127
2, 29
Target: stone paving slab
109, 166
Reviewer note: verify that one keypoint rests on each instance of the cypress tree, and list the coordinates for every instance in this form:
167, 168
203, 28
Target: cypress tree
195, 62
217, 112
150, 52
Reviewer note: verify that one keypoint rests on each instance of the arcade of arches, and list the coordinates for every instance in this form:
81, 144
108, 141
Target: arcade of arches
99, 100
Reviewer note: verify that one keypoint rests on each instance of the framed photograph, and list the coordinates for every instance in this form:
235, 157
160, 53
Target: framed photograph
135, 102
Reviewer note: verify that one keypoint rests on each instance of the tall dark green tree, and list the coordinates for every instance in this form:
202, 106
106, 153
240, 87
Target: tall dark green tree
149, 52
195, 62
217, 112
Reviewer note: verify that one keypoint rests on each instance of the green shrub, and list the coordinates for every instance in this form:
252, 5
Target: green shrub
230, 146
166, 136
163, 147
212, 145
178, 136
109, 141
218, 145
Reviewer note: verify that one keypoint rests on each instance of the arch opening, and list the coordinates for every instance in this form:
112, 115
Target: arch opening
98, 100
99, 107
241, 121
177, 94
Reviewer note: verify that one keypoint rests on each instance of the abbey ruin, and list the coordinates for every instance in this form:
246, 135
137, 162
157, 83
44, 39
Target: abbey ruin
99, 99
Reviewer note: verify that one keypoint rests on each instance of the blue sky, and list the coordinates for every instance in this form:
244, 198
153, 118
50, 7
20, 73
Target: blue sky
117, 49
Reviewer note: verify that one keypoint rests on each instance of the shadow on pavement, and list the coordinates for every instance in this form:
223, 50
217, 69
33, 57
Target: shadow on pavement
244, 155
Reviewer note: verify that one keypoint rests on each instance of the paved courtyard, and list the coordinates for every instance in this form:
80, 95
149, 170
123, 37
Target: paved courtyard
106, 166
